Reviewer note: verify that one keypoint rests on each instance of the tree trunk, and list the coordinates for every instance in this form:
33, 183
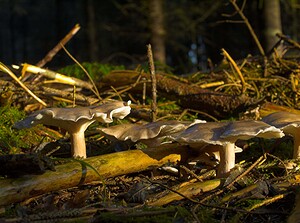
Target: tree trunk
92, 32
272, 22
156, 19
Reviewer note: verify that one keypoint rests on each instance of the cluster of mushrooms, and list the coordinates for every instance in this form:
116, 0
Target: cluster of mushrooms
213, 138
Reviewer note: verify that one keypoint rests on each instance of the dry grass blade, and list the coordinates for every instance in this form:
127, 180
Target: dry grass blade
236, 69
57, 48
8, 71
95, 91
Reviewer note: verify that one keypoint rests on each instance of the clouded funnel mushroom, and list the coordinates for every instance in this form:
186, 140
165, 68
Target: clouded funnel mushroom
289, 123
244, 130
201, 136
224, 135
76, 120
151, 134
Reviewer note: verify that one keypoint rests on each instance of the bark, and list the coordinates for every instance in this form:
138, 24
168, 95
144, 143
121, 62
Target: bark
75, 173
272, 20
156, 18
219, 105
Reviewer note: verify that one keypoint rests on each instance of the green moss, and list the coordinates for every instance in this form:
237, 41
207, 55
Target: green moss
11, 140
95, 70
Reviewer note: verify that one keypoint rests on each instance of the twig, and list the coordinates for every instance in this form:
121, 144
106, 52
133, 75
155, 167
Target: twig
58, 47
237, 69
57, 77
153, 80
236, 179
198, 202
290, 41
268, 201
260, 48
281, 161
8, 71
191, 172
126, 88
96, 92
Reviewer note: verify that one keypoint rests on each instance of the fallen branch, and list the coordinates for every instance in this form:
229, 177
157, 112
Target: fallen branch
74, 173
153, 82
59, 78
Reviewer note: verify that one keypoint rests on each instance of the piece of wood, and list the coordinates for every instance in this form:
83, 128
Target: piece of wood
188, 190
217, 104
59, 78
74, 173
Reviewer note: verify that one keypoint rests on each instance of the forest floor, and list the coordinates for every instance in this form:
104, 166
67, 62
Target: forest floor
36, 186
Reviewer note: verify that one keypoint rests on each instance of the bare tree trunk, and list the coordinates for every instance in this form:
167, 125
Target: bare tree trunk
272, 20
156, 18
92, 32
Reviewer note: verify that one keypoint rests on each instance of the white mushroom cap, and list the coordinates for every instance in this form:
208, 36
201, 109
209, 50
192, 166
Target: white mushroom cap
289, 123
152, 134
225, 134
202, 134
247, 129
76, 120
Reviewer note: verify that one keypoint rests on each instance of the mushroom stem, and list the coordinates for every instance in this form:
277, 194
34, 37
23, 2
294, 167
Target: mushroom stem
227, 160
78, 146
296, 136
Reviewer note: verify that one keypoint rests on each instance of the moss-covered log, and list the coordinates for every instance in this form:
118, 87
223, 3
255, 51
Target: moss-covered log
77, 173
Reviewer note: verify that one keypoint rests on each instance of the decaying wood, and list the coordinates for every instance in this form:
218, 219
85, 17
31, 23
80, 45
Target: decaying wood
190, 96
217, 104
188, 190
74, 173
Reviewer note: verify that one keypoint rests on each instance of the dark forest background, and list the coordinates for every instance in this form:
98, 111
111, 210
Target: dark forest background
185, 34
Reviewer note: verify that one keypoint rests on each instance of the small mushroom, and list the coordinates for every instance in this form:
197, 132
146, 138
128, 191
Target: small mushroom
244, 130
289, 123
76, 120
151, 134
203, 137
224, 135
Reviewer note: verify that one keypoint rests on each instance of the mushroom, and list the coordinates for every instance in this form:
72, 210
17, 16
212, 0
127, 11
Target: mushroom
206, 136
223, 136
76, 120
289, 123
151, 134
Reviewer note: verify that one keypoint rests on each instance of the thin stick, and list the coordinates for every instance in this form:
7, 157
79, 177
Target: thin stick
58, 47
260, 48
237, 69
8, 71
289, 40
96, 92
153, 81
235, 180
